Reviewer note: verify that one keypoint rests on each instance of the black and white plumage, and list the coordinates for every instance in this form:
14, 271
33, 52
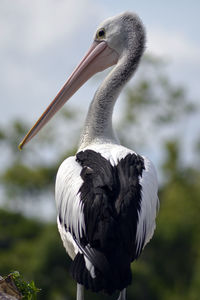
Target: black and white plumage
105, 226
106, 195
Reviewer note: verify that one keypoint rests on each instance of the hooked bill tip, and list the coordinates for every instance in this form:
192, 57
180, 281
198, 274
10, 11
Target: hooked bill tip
20, 146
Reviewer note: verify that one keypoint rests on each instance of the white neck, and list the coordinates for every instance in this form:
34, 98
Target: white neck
98, 125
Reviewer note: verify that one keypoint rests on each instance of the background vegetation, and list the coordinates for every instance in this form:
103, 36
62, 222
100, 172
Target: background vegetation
154, 120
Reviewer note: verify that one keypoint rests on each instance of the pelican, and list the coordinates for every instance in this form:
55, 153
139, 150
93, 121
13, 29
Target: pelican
106, 195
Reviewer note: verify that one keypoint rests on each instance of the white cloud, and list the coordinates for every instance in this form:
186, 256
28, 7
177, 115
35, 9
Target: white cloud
32, 33
32, 26
37, 38
173, 45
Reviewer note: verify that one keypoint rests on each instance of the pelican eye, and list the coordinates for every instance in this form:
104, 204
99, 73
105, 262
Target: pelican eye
100, 34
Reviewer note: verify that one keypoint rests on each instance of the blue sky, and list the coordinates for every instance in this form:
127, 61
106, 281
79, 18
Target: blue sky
41, 42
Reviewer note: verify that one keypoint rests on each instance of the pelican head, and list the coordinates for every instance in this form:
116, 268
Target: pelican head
124, 32
117, 37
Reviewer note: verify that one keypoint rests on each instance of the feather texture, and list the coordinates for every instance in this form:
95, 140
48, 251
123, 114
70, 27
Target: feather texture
106, 214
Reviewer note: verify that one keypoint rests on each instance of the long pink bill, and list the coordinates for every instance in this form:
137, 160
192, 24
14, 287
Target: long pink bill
98, 58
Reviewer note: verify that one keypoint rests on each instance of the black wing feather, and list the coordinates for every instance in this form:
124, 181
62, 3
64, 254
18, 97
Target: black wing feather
111, 196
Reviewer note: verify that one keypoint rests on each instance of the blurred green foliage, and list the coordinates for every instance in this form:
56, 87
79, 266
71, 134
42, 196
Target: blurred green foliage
169, 267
